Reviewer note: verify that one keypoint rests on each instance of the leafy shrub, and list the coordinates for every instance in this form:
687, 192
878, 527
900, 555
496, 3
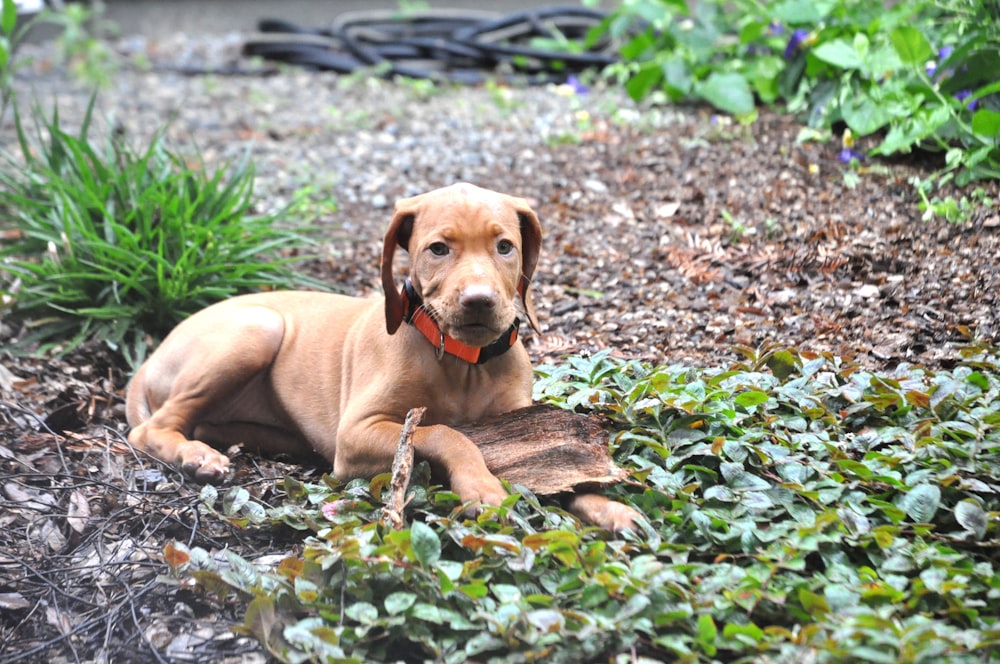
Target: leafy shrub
798, 507
911, 74
119, 245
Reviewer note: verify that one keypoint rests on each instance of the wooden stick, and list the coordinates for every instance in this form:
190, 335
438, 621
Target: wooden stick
402, 469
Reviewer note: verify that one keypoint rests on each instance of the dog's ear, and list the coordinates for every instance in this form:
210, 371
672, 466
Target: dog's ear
531, 247
398, 235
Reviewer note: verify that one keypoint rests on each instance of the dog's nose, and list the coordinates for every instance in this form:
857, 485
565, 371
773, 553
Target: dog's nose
478, 297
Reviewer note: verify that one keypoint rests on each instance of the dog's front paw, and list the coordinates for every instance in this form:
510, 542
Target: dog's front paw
617, 517
203, 463
603, 512
480, 491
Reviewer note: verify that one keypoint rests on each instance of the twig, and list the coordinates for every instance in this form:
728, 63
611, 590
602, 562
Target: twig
402, 469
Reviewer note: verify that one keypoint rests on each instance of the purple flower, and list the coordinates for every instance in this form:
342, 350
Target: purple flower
578, 88
776, 28
943, 54
798, 39
962, 95
847, 154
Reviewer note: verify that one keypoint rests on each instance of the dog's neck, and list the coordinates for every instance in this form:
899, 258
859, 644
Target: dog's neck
416, 315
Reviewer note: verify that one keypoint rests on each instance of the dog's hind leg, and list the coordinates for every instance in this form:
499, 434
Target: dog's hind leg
196, 378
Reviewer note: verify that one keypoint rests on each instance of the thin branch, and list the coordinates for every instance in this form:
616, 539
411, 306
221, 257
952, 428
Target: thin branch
402, 469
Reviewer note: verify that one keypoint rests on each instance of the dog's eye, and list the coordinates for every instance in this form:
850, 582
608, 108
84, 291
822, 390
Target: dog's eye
439, 249
504, 247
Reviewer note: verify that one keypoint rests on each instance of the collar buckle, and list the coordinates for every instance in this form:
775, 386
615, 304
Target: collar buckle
439, 350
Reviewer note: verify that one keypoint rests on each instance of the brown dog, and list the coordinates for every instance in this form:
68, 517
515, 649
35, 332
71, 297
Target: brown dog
302, 372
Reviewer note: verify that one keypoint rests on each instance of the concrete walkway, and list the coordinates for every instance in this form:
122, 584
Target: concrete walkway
156, 18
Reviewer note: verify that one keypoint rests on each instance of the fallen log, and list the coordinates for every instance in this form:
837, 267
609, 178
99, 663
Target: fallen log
546, 449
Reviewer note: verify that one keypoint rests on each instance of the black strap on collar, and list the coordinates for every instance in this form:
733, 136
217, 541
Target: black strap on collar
416, 315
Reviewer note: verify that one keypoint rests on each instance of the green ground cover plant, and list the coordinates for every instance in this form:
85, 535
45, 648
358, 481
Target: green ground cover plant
903, 76
798, 508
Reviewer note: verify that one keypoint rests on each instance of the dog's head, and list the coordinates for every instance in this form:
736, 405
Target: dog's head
472, 255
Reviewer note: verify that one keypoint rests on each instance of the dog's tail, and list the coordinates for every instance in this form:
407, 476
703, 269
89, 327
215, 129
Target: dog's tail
137, 408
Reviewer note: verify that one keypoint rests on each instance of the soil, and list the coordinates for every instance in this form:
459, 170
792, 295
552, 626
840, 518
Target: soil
671, 235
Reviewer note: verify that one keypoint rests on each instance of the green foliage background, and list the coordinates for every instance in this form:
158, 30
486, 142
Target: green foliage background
911, 75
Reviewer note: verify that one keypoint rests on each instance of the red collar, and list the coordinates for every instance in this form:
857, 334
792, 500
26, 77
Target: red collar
416, 315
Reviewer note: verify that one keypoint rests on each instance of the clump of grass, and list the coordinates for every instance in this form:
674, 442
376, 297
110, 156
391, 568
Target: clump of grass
118, 245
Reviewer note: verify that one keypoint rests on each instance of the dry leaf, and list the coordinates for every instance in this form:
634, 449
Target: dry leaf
175, 555
79, 511
28, 499
13, 601
51, 536
667, 210
60, 620
7, 379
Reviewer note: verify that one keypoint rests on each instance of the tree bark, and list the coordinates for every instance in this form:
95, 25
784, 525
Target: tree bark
546, 449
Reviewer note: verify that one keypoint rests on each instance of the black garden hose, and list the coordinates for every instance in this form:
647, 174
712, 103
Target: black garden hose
461, 46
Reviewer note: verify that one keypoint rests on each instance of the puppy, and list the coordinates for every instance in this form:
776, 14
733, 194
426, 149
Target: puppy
302, 372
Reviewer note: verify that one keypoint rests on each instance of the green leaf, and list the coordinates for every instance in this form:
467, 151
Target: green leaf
363, 612
815, 605
209, 495
8, 17
986, 122
261, 618
756, 501
295, 489
971, 516
729, 93
748, 633
839, 53
476, 590
911, 45
798, 12
398, 602
546, 621
676, 79
864, 115
426, 544
839, 596
643, 81
921, 502
782, 364
707, 633
429, 613
857, 524
234, 500
751, 398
